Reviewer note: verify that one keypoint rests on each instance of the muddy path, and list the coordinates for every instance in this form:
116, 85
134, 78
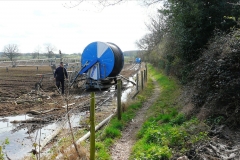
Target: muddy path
122, 147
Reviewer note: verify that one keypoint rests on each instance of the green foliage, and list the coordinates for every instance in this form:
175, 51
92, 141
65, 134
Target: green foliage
193, 22
1, 153
215, 120
146, 125
108, 142
101, 151
178, 120
166, 135
116, 124
6, 142
182, 30
135, 106
179, 138
154, 153
141, 98
112, 132
2, 147
154, 136
166, 118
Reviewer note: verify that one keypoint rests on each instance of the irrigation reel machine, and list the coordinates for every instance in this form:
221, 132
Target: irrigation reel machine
101, 63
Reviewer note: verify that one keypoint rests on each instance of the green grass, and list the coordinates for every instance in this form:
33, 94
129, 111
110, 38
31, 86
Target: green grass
166, 131
2, 147
101, 151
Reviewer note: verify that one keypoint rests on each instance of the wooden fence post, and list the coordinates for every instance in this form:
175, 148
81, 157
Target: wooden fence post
92, 128
137, 83
144, 74
119, 94
146, 71
142, 79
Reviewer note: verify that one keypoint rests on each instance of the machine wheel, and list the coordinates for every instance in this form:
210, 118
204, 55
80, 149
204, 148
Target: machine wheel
38, 86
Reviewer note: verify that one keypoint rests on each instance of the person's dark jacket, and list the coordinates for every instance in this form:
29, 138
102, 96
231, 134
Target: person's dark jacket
59, 73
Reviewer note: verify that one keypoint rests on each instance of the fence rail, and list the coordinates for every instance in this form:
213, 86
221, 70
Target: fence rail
38, 62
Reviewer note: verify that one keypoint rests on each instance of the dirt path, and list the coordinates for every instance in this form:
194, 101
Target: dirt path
122, 148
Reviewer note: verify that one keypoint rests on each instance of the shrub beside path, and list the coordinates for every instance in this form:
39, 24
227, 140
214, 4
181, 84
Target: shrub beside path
121, 149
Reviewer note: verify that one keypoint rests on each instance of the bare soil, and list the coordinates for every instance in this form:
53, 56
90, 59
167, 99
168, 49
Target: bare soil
17, 87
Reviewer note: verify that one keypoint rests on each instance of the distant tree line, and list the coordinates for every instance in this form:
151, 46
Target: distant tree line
11, 52
130, 53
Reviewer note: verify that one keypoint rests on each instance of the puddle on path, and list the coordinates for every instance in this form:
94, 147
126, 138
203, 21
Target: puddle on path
130, 88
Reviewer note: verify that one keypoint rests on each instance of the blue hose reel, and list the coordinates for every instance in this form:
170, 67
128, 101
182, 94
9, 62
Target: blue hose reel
101, 60
138, 60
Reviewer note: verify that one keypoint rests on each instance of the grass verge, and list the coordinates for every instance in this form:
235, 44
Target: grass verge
167, 133
113, 130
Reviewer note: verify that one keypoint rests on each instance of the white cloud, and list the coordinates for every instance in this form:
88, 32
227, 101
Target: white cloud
33, 23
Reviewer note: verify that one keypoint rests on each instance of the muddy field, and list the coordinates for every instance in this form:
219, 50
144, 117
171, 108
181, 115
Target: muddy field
15, 85
18, 94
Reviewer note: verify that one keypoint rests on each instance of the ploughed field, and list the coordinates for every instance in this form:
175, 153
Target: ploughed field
18, 94
15, 83
20, 80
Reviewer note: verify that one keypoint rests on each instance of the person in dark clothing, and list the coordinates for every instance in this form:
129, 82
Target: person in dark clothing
60, 74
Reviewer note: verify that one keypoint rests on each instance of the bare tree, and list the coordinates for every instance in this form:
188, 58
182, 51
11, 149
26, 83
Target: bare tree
34, 55
11, 51
36, 52
97, 3
157, 30
50, 48
107, 3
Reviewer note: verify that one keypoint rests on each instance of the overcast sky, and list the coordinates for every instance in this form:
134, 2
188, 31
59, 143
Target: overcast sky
34, 23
